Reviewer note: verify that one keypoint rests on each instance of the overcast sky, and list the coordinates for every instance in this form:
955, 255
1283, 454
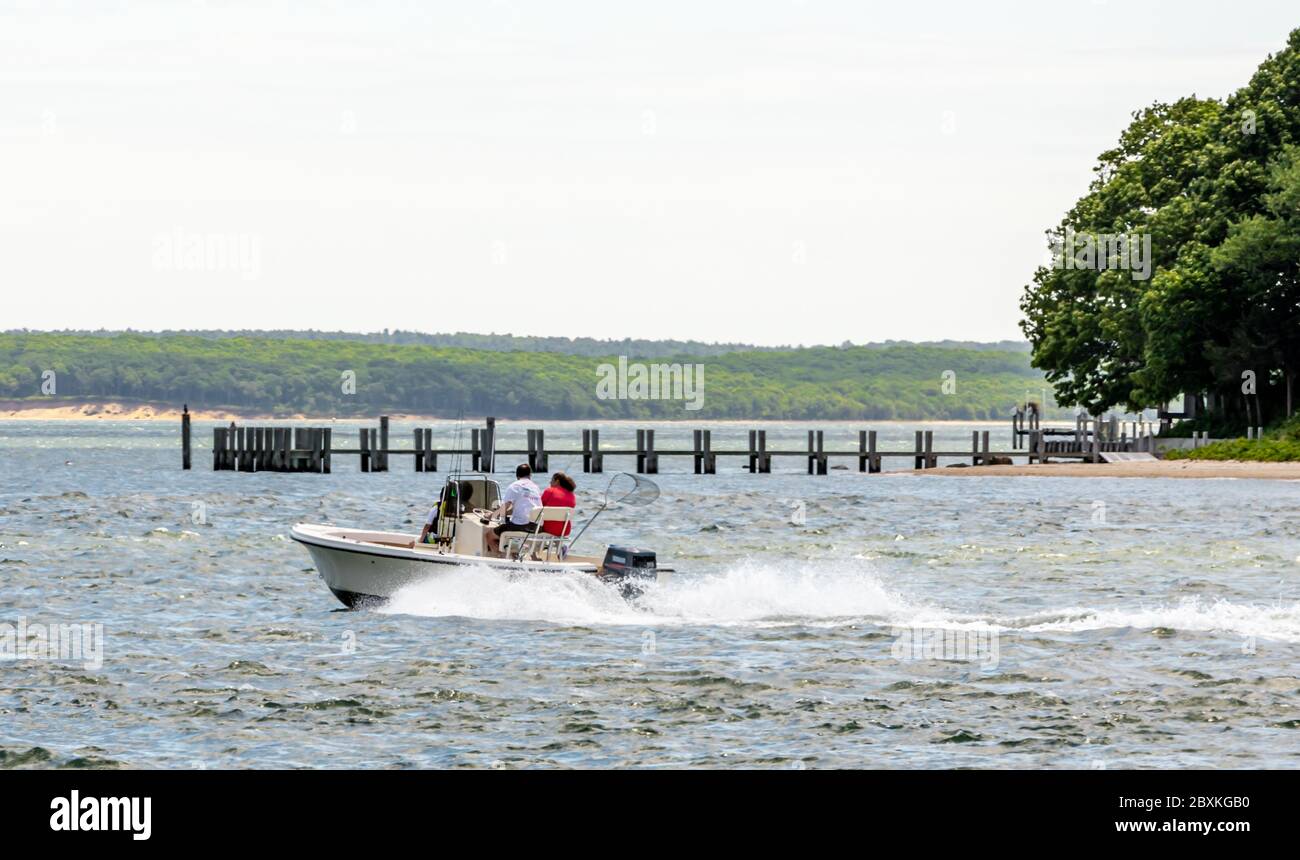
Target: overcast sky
796, 171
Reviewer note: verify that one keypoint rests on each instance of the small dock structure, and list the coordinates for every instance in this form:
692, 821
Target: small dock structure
1089, 439
312, 449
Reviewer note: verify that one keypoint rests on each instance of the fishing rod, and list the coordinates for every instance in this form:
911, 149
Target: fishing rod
451, 493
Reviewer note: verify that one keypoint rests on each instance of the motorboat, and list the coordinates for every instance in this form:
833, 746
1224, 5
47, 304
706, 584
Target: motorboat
365, 567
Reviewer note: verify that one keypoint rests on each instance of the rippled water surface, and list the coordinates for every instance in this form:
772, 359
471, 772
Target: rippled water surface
1119, 622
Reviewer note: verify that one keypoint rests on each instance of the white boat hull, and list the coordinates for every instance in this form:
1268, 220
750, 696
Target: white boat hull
364, 567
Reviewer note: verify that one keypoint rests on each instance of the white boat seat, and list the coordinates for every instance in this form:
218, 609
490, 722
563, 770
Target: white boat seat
517, 544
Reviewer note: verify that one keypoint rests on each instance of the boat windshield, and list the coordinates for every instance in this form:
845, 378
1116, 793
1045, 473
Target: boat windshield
483, 491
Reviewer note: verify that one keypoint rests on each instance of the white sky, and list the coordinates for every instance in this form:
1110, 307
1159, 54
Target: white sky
795, 171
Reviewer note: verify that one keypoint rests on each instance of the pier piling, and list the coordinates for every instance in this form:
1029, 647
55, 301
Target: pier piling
647, 461
488, 457
816, 452
705, 461
185, 437
592, 460
310, 449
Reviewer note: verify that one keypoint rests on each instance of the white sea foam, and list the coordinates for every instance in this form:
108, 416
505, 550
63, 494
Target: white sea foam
1277, 620
481, 592
744, 594
764, 594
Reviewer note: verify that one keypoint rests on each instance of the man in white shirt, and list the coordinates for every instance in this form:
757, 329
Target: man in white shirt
518, 502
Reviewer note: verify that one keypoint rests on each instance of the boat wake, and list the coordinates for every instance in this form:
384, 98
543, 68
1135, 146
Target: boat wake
755, 594
770, 595
1279, 620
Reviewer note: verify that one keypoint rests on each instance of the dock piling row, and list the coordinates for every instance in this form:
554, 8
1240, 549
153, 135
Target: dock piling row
310, 449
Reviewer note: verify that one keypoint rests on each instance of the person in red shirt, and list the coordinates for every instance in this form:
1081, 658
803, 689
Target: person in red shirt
560, 495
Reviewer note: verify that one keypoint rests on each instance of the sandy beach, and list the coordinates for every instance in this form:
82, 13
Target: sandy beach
28, 410
1133, 469
55, 409
64, 410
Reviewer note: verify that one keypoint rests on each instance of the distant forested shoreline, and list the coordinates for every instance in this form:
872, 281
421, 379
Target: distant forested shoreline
522, 343
357, 375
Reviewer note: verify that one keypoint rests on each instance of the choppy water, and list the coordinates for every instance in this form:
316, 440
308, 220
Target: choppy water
1117, 623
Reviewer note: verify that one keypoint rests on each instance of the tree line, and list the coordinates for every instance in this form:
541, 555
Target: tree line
344, 377
1211, 189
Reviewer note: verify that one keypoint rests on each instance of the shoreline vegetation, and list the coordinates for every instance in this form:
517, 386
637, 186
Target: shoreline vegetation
1178, 272
493, 342
287, 377
1279, 444
1169, 468
67, 409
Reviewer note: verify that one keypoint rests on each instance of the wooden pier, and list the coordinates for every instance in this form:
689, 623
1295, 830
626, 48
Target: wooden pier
311, 449
272, 449
1091, 438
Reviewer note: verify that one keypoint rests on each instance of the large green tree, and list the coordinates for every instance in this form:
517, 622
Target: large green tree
1207, 182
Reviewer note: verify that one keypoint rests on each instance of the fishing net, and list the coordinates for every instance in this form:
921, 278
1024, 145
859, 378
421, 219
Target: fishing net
628, 489
623, 489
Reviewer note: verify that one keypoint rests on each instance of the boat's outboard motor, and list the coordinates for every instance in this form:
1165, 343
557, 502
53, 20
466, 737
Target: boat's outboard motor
630, 568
